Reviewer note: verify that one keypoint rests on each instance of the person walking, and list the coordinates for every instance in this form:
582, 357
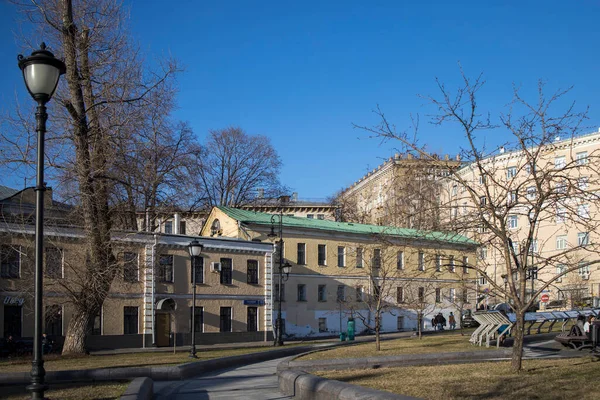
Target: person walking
452, 321
434, 322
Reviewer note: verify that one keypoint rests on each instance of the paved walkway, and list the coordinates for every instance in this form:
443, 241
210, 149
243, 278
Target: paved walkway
250, 382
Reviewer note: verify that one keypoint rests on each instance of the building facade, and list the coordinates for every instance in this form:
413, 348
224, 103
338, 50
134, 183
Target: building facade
346, 270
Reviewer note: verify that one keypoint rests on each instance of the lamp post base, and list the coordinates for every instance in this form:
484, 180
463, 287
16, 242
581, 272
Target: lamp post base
37, 390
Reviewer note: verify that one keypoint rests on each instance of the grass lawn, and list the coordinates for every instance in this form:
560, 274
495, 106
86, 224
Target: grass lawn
435, 343
540, 379
55, 362
106, 391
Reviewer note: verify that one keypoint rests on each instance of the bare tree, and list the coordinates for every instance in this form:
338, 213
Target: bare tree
104, 92
232, 166
503, 198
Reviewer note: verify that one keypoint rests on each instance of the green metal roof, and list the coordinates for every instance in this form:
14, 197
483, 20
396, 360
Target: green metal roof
254, 217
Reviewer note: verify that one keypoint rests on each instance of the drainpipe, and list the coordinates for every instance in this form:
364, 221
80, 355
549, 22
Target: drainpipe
154, 290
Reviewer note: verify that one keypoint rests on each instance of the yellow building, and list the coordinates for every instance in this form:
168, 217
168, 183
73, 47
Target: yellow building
340, 269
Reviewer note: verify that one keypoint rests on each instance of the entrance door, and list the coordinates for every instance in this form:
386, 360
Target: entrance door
12, 321
163, 324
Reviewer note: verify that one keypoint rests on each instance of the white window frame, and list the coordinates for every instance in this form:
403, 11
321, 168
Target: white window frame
561, 242
581, 158
438, 263
583, 183
583, 238
561, 214
483, 252
583, 211
421, 261
343, 254
560, 162
531, 192
400, 260
512, 222
511, 172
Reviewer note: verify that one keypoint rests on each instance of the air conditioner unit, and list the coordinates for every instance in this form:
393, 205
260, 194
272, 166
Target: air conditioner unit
215, 267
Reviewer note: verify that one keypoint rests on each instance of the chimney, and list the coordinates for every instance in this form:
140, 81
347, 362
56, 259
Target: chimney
458, 157
557, 138
295, 196
446, 157
501, 149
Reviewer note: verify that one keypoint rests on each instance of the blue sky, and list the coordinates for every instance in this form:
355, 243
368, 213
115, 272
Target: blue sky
302, 72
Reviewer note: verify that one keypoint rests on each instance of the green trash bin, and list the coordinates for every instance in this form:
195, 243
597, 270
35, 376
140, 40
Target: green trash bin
351, 329
342, 336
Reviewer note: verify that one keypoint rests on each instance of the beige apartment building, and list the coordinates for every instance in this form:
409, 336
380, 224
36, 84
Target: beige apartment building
150, 299
565, 235
339, 270
386, 195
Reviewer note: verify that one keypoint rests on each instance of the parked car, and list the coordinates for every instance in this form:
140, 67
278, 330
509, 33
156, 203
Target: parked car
467, 320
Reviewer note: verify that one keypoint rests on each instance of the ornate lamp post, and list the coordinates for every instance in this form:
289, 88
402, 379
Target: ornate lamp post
41, 72
284, 268
195, 248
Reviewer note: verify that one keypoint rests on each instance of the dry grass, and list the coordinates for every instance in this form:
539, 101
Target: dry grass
540, 379
59, 363
106, 391
438, 343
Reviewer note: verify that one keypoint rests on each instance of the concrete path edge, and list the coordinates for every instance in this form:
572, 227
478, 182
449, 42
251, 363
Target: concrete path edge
139, 389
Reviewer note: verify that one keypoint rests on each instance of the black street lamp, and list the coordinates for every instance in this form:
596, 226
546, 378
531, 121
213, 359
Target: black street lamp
195, 248
284, 268
41, 72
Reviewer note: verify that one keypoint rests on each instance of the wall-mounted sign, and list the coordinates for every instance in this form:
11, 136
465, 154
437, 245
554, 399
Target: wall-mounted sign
254, 302
13, 301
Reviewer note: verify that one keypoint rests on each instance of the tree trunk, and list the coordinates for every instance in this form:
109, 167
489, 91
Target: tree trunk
76, 332
377, 329
517, 354
420, 325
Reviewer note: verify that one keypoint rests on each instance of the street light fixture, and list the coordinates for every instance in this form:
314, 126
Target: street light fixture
284, 268
41, 72
195, 248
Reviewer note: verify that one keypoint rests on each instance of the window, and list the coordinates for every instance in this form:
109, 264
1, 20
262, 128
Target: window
225, 319
560, 268
226, 274
455, 211
583, 211
531, 192
512, 222
359, 257
168, 227
584, 269
561, 214
198, 319
320, 216
54, 320
421, 261
276, 294
359, 293
482, 201
561, 187
400, 294
452, 295
54, 263
10, 261
581, 158
301, 292
528, 169
301, 254
482, 280
438, 263
322, 254
438, 295
454, 190
582, 183
451, 266
130, 267
465, 265
322, 324
515, 247
583, 238
482, 228
511, 172
533, 247
252, 274
130, 320
310, 216
421, 294
165, 268
252, 319
483, 251
182, 227
482, 179
512, 197
341, 256
400, 322
560, 162
377, 258
199, 268
97, 323
561, 242
322, 293
341, 293
400, 260
465, 296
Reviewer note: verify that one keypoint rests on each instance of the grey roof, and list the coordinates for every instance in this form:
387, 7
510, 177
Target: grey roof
6, 192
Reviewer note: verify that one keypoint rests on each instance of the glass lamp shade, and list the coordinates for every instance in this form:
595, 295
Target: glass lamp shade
287, 268
195, 248
41, 71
